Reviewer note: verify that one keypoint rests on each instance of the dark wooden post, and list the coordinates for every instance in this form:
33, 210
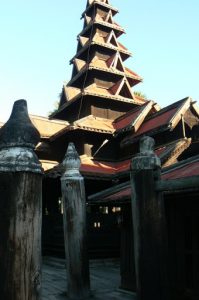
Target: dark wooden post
73, 193
148, 223
20, 208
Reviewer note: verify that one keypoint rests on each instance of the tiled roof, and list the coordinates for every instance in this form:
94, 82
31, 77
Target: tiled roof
47, 127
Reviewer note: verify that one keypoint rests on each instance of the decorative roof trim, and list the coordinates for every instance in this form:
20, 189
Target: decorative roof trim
181, 111
171, 155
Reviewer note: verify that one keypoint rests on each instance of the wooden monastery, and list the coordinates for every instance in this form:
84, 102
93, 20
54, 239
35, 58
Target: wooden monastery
100, 113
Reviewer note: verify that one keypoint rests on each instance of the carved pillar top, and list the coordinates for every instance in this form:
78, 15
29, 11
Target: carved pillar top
146, 159
19, 130
71, 162
18, 138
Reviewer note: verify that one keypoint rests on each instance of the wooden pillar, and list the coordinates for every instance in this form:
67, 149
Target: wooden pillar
127, 262
73, 193
20, 208
148, 223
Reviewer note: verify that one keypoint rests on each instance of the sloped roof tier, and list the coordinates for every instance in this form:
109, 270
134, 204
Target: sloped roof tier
73, 94
101, 65
82, 96
92, 167
105, 93
166, 118
99, 3
100, 17
87, 30
47, 127
95, 124
125, 54
133, 119
88, 123
121, 192
185, 169
169, 152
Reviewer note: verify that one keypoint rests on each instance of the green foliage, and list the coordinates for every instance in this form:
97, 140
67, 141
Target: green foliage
55, 106
140, 94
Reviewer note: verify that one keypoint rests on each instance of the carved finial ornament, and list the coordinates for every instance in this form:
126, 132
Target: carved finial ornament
147, 144
18, 138
71, 161
19, 130
146, 159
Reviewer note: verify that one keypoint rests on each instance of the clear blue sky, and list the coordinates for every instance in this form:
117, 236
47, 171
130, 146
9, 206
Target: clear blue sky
37, 39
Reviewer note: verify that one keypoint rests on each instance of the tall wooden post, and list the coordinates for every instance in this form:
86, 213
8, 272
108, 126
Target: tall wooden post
20, 208
73, 193
148, 223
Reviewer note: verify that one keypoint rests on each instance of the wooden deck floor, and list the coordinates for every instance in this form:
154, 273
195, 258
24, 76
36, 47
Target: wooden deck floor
105, 280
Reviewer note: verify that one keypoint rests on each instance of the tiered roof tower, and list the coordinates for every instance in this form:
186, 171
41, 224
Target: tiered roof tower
100, 85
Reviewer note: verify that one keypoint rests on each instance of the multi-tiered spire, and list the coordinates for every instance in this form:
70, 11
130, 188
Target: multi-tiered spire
101, 85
